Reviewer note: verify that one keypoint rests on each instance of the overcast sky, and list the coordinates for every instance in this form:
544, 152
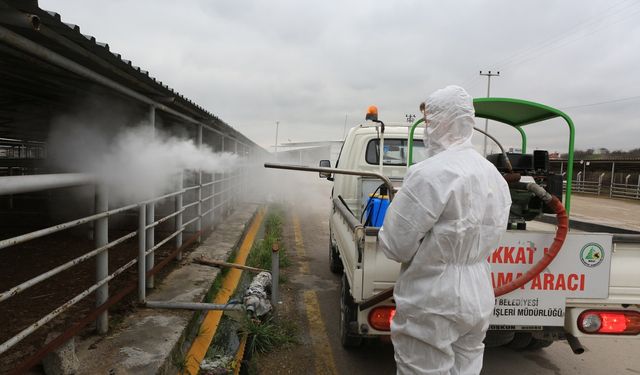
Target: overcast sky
308, 64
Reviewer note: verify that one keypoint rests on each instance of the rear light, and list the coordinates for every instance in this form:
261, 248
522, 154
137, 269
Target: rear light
615, 322
380, 317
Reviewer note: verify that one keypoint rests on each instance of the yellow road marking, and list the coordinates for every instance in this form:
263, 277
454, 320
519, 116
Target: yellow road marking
300, 250
210, 323
238, 359
323, 357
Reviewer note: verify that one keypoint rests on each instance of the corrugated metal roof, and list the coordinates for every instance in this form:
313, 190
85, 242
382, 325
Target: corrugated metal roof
67, 39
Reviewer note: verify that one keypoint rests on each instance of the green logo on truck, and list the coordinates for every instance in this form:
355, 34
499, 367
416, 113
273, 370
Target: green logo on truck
592, 254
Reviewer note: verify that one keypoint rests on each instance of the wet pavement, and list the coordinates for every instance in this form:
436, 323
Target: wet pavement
601, 210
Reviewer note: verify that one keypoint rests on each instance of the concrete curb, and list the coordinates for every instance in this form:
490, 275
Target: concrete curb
148, 339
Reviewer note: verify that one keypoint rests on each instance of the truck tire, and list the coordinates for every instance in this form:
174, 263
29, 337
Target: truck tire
537, 344
348, 314
494, 339
521, 340
335, 263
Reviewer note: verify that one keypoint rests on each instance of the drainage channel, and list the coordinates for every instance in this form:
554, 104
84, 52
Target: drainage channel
211, 322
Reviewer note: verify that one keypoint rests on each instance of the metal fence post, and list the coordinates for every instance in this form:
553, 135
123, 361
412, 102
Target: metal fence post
151, 214
199, 194
102, 259
579, 180
150, 241
613, 171
178, 207
212, 214
275, 273
223, 183
142, 247
600, 182
236, 178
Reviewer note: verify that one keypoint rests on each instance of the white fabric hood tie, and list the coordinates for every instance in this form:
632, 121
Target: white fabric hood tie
449, 120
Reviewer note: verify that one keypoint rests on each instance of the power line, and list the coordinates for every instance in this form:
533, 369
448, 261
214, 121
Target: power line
601, 103
591, 25
578, 37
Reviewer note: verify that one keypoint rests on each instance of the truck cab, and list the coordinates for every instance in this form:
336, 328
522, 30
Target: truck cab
353, 244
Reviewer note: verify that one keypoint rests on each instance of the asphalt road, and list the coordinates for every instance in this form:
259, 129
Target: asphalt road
603, 356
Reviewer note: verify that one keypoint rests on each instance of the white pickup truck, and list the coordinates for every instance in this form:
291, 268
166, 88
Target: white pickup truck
591, 288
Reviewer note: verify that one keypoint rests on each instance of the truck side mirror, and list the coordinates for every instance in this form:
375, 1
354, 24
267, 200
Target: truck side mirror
325, 164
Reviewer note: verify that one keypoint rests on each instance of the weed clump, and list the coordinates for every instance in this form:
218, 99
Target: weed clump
266, 335
260, 255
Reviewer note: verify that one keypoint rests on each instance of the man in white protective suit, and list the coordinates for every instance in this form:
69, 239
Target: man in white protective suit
442, 225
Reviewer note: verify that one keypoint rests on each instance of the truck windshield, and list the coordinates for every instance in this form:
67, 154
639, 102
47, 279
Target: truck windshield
395, 151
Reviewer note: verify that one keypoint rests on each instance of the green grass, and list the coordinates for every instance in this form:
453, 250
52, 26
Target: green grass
265, 336
179, 361
260, 255
270, 333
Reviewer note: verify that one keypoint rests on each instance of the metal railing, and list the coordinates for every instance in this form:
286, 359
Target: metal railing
225, 191
587, 187
626, 190
195, 209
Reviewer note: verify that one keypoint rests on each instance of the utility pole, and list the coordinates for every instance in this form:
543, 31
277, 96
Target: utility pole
486, 121
276, 146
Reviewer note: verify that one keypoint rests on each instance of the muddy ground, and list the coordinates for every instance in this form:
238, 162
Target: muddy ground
23, 262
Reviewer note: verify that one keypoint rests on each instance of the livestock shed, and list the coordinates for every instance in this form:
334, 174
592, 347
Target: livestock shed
72, 249
613, 177
310, 153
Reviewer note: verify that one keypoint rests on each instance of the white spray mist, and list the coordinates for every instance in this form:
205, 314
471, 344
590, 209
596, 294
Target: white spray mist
136, 162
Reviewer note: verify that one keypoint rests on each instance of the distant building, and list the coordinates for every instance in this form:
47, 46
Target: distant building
309, 153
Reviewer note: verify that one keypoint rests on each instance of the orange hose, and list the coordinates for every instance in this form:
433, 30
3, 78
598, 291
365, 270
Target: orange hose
558, 241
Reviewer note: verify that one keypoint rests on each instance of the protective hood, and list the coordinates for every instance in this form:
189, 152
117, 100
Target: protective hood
449, 120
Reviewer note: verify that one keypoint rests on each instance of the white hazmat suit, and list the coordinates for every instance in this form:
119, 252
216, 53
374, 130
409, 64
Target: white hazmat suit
442, 225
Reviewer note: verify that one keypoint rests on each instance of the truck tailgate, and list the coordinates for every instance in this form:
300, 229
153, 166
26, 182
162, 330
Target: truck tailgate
380, 273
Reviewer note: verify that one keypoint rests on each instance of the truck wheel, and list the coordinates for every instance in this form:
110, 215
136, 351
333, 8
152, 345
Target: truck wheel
521, 341
348, 314
335, 263
494, 339
537, 344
